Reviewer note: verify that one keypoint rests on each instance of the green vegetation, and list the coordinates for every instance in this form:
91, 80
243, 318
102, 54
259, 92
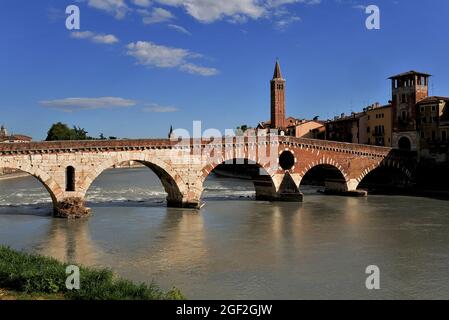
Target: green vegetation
27, 276
61, 132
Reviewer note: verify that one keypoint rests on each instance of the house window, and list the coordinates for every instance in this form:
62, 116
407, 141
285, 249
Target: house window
422, 109
434, 108
404, 115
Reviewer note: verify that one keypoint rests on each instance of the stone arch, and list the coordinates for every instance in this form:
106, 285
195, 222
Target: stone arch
44, 178
169, 177
265, 185
387, 163
208, 168
323, 162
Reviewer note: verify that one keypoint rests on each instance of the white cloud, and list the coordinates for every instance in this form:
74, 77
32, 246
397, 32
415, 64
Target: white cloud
152, 55
195, 69
142, 3
180, 29
116, 7
234, 10
95, 37
159, 109
209, 11
78, 104
158, 15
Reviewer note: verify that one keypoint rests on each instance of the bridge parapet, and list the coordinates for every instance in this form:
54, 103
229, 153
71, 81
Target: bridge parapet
145, 144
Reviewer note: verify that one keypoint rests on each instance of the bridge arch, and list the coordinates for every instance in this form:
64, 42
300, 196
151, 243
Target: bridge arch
325, 162
229, 157
385, 164
264, 184
49, 184
172, 182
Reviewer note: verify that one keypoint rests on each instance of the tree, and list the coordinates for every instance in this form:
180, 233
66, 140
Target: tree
60, 131
242, 129
80, 134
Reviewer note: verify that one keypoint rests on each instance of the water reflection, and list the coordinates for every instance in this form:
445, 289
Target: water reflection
250, 249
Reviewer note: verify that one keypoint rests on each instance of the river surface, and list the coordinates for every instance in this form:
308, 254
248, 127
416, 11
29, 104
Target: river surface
236, 247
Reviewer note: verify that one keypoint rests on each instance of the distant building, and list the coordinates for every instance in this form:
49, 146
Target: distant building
13, 138
346, 128
379, 125
433, 128
407, 90
299, 128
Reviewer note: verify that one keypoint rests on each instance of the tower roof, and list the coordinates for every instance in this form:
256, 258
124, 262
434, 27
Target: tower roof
277, 71
409, 73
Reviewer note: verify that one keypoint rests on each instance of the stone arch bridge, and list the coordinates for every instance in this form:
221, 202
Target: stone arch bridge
68, 168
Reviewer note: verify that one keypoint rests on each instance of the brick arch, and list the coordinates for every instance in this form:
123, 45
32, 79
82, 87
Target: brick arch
324, 161
169, 177
386, 163
208, 168
46, 180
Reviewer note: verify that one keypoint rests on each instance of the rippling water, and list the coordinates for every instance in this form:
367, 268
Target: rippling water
236, 247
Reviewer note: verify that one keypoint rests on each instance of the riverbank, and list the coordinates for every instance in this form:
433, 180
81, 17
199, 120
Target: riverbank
35, 277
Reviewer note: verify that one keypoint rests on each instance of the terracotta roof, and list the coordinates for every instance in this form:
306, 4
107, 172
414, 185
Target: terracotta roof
378, 108
351, 117
16, 137
409, 73
433, 99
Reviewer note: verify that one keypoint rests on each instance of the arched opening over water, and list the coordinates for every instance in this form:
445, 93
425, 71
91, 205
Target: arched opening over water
237, 179
23, 189
385, 179
133, 181
322, 175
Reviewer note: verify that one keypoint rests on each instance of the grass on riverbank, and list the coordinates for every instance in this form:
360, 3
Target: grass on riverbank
27, 276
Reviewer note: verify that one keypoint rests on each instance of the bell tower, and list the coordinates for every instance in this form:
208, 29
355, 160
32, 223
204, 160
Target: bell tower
277, 99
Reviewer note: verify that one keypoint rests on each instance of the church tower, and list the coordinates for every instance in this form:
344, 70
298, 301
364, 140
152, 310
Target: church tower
277, 99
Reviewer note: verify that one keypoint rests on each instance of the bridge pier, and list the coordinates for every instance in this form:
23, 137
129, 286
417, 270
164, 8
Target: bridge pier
288, 192
71, 208
343, 188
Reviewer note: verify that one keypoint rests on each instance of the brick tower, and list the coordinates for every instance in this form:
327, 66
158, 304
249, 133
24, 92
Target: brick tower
407, 90
277, 99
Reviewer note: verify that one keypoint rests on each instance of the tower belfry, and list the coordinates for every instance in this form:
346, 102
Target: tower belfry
277, 99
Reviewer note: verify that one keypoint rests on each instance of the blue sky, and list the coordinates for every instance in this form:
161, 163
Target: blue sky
138, 66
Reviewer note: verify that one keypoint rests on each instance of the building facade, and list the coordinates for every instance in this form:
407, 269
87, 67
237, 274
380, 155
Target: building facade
347, 128
379, 126
433, 128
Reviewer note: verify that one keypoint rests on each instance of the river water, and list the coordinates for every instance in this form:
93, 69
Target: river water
239, 248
